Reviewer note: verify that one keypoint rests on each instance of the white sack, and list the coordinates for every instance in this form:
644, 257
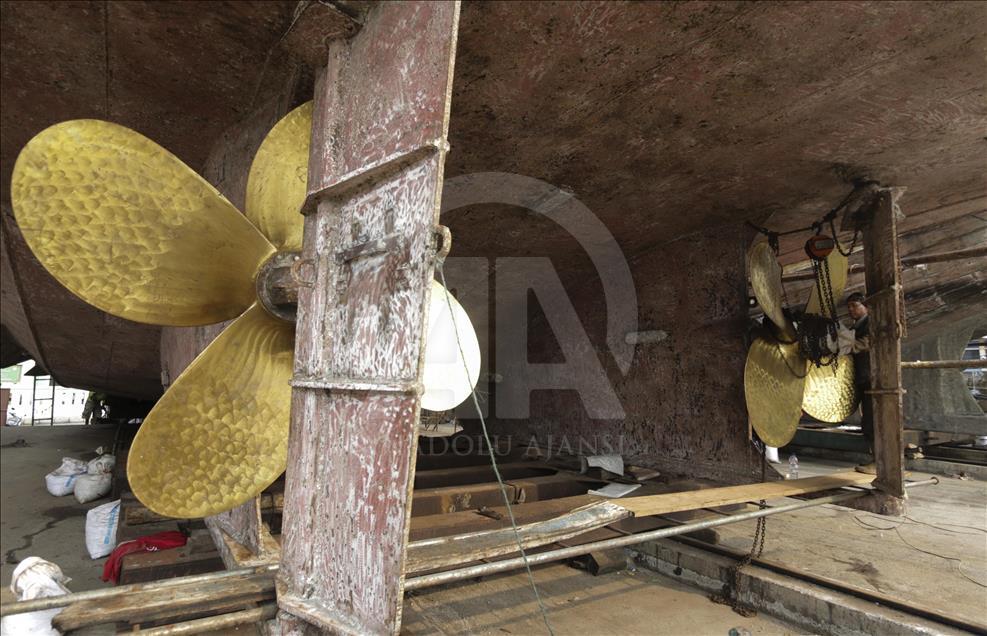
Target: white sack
92, 487
102, 464
34, 578
101, 529
61, 481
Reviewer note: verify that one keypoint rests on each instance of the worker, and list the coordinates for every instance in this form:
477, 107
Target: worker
93, 407
856, 305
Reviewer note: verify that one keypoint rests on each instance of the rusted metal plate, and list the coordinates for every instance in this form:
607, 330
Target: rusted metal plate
587, 75
380, 120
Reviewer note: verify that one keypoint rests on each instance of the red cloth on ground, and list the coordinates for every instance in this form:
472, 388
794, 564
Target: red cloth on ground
147, 543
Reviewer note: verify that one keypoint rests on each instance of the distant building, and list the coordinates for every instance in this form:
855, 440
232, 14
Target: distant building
67, 403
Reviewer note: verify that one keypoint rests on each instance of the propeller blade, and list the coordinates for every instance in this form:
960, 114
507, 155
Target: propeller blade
765, 275
277, 180
129, 228
839, 268
830, 392
452, 353
774, 381
219, 434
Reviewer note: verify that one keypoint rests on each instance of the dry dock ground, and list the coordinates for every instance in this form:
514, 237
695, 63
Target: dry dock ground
936, 557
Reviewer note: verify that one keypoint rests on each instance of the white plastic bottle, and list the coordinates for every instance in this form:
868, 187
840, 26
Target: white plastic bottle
793, 467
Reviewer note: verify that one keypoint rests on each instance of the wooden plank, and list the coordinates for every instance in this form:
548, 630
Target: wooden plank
883, 280
431, 501
212, 624
450, 550
446, 551
378, 150
713, 497
170, 602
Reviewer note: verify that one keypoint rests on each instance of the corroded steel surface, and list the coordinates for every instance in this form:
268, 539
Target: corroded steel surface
130, 229
18, 336
774, 382
739, 111
830, 393
665, 118
219, 435
683, 397
382, 106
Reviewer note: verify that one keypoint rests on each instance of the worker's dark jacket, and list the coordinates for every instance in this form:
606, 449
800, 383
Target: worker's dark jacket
861, 352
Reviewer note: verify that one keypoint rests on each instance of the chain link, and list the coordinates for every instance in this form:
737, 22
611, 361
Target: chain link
728, 595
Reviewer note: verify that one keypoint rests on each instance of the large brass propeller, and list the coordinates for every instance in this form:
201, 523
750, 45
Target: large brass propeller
129, 228
126, 226
778, 382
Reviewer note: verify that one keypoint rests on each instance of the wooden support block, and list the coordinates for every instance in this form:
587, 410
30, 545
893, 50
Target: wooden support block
879, 503
605, 561
432, 526
197, 556
887, 325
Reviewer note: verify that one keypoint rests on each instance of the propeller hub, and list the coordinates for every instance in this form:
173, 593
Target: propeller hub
277, 281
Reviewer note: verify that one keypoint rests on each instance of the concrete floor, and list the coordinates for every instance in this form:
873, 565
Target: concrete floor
32, 521
934, 557
629, 602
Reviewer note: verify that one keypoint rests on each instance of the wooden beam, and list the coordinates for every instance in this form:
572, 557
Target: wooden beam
887, 325
169, 603
447, 551
714, 497
558, 523
944, 364
906, 263
212, 624
379, 133
474, 546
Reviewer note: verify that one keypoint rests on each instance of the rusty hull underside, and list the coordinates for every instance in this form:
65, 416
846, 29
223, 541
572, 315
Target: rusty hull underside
665, 119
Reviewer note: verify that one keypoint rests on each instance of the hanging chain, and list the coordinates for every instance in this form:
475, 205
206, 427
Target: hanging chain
853, 243
815, 331
728, 595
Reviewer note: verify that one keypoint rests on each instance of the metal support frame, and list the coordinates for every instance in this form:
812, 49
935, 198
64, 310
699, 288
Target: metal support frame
375, 178
906, 263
